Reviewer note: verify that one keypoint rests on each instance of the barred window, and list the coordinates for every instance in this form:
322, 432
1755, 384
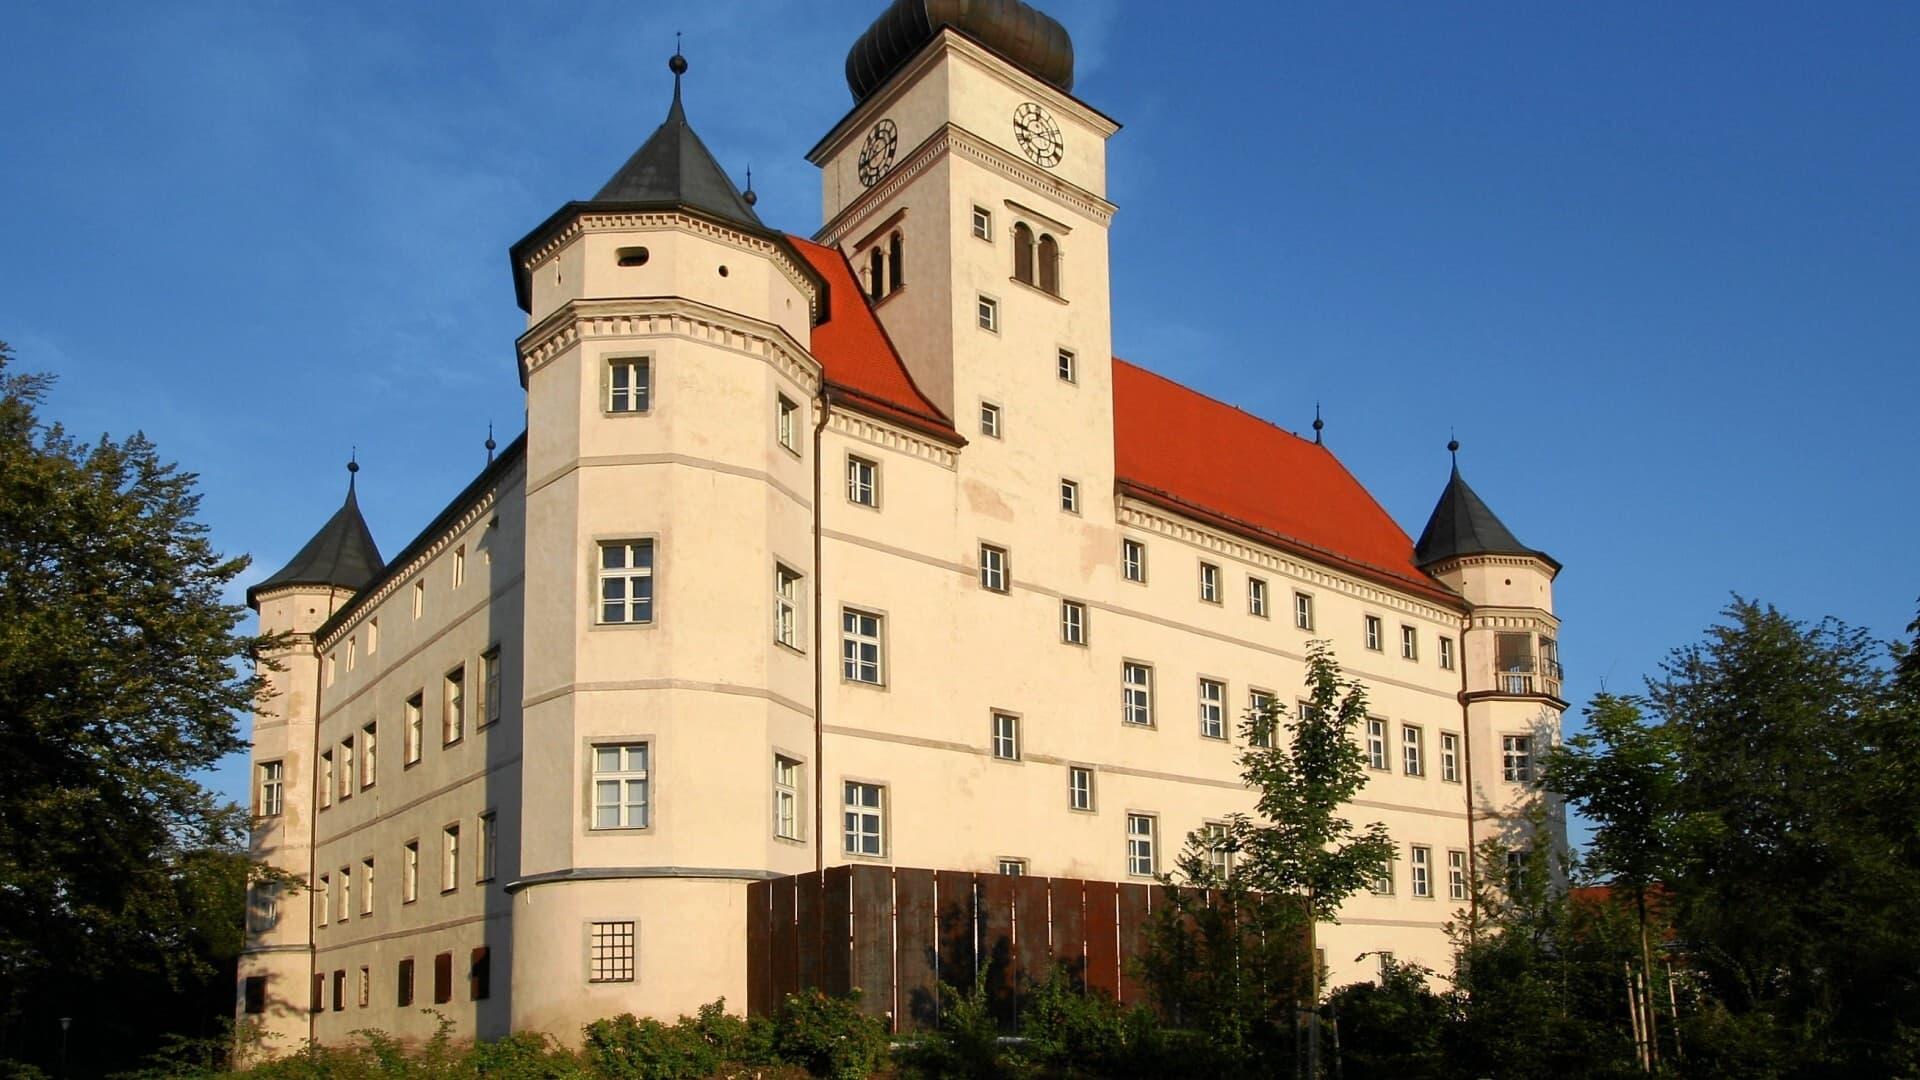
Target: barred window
611, 953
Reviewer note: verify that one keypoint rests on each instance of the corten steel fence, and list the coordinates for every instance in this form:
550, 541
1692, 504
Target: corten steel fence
898, 934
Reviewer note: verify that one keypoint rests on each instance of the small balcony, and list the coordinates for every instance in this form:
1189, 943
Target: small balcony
1518, 673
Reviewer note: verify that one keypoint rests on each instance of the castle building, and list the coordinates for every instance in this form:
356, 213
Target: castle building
857, 549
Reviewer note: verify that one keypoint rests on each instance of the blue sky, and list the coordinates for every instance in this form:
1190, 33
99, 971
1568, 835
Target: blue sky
1659, 267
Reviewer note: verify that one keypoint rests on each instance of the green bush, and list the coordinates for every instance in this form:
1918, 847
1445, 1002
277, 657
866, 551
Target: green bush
829, 1036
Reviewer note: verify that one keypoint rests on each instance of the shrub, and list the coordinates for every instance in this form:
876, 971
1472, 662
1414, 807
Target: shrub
829, 1036
627, 1047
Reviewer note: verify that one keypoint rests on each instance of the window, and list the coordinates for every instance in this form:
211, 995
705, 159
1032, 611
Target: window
1067, 366
1420, 863
1013, 867
410, 872
263, 906
1133, 560
1446, 653
453, 720
339, 989
621, 786
1050, 265
346, 768
1006, 736
442, 978
1073, 622
1023, 252
319, 991
479, 973
487, 860
1213, 709
450, 858
987, 312
1516, 758
1303, 611
333, 668
1373, 633
373, 636
459, 566
786, 798
353, 653
629, 384
859, 646
1260, 730
786, 423
786, 607
1256, 597
876, 273
1070, 496
368, 758
1516, 869
1137, 694
1376, 743
1079, 788
1456, 875
989, 419
403, 977
1409, 643
490, 686
1449, 757
863, 481
326, 779
993, 568
863, 808
626, 582
983, 224
271, 800
416, 727
896, 262
1412, 750
324, 897
1219, 853
1209, 583
345, 907
610, 952
1140, 829
1382, 883
366, 886
256, 994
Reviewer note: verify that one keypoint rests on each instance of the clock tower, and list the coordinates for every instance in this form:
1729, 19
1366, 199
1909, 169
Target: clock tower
967, 188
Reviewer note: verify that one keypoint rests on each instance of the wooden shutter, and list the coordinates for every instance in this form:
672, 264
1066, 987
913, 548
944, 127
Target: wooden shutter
443, 978
404, 993
480, 975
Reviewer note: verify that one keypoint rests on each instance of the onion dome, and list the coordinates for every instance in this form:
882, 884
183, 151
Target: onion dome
1028, 39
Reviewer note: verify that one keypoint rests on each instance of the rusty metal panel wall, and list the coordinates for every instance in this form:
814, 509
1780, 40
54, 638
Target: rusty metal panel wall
836, 930
1032, 935
785, 938
760, 999
1103, 936
807, 902
1135, 905
996, 944
955, 926
916, 951
872, 967
1068, 928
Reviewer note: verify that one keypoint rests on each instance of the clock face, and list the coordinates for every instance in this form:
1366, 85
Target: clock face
1037, 134
877, 156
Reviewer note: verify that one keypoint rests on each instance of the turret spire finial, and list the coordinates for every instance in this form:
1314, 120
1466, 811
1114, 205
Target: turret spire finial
491, 445
1319, 425
1453, 448
353, 467
748, 194
678, 65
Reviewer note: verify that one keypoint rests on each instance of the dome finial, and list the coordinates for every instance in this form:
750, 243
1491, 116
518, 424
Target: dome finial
491, 445
353, 467
1453, 447
678, 65
748, 194
1319, 425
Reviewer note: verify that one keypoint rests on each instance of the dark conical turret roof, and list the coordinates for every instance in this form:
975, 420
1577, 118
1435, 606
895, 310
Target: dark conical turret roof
342, 554
674, 167
1463, 524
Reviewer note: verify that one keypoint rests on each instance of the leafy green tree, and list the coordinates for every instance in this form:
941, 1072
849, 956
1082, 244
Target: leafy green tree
121, 875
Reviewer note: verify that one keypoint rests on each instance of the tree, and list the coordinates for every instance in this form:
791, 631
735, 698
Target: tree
121, 876
1245, 957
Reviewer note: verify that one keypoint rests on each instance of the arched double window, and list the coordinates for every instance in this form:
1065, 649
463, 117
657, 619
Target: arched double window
1036, 260
876, 273
886, 267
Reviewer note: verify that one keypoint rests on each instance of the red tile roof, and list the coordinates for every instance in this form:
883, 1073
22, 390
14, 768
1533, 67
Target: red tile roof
1188, 453
863, 369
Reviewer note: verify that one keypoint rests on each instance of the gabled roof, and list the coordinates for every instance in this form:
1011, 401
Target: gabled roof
673, 167
1202, 458
341, 554
863, 369
1463, 524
